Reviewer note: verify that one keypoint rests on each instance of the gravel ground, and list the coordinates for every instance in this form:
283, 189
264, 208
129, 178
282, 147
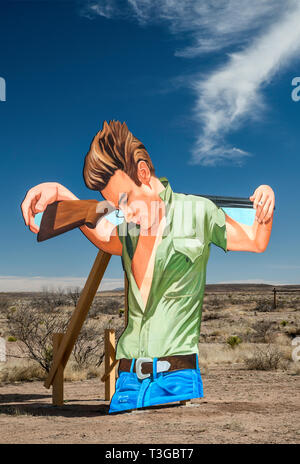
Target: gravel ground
240, 406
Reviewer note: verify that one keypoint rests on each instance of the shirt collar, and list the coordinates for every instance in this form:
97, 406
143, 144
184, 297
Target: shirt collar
167, 196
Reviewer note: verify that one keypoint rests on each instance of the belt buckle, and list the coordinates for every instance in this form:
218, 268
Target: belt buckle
138, 368
162, 366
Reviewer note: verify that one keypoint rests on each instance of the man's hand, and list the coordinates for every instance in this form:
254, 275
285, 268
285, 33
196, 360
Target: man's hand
263, 200
39, 197
255, 238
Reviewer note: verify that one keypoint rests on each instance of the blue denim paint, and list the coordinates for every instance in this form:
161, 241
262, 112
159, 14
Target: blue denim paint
164, 387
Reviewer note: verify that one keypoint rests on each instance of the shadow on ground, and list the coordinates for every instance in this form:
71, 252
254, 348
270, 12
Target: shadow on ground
23, 405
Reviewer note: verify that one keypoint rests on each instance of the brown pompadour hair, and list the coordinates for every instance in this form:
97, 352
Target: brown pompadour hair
114, 147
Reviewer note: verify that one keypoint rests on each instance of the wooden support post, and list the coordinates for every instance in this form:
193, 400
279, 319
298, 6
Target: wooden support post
110, 357
185, 402
58, 381
274, 302
126, 298
79, 314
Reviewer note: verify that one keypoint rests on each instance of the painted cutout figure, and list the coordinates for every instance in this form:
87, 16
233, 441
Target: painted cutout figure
164, 239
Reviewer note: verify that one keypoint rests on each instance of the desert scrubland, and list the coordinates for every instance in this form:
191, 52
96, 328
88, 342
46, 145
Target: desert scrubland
251, 381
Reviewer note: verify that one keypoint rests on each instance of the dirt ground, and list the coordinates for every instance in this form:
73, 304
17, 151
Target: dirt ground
240, 406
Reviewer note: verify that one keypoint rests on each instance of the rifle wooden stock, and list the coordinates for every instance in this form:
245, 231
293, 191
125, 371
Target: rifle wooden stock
61, 216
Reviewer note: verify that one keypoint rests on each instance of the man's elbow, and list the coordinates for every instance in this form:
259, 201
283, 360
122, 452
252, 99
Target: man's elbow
102, 239
259, 243
260, 247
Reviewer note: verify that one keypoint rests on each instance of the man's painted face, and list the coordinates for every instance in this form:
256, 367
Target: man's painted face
137, 203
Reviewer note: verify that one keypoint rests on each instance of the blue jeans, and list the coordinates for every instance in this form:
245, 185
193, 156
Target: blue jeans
159, 388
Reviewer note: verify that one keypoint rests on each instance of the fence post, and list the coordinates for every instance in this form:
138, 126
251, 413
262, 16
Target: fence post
110, 357
58, 381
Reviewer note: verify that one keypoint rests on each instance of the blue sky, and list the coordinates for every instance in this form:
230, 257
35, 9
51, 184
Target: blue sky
207, 90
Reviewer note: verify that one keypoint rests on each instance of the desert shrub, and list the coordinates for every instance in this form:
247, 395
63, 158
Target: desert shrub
89, 347
121, 312
215, 333
283, 323
233, 341
49, 300
34, 321
89, 351
11, 339
106, 306
264, 305
211, 315
264, 359
215, 302
4, 303
235, 299
293, 331
73, 294
260, 331
35, 328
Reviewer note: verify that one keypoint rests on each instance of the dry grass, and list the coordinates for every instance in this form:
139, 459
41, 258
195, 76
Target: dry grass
17, 371
72, 373
253, 356
220, 353
28, 371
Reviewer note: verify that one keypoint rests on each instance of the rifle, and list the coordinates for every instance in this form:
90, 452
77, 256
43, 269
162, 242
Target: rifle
61, 216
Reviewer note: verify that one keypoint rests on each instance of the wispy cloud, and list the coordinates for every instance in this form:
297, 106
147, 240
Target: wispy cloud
38, 283
258, 38
253, 281
105, 9
284, 266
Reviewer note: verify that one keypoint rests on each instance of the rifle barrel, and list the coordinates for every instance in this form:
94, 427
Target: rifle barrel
229, 202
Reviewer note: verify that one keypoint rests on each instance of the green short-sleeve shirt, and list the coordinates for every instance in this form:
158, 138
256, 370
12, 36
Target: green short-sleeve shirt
170, 322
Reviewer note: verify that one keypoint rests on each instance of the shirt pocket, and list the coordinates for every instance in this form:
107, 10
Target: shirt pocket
190, 247
187, 251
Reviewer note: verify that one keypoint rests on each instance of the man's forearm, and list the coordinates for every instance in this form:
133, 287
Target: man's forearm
104, 235
261, 233
92, 234
65, 194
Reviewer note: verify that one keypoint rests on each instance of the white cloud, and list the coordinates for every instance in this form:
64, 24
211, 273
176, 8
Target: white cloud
263, 35
284, 266
212, 24
38, 283
253, 281
233, 92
